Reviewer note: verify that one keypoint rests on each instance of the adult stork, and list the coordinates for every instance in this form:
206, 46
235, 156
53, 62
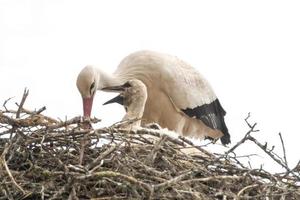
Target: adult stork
179, 97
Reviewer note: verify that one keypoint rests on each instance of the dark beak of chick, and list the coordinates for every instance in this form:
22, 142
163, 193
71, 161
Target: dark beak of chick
118, 99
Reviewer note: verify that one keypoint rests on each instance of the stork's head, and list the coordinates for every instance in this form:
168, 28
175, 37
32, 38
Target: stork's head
87, 84
133, 95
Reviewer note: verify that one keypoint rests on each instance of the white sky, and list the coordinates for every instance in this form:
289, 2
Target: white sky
248, 50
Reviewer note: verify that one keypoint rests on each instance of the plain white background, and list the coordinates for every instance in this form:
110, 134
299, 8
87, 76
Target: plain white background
248, 50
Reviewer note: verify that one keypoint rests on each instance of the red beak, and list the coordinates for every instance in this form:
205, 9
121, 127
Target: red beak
87, 106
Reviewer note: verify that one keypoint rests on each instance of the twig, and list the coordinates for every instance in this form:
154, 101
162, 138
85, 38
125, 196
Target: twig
42, 193
197, 147
25, 94
173, 180
263, 147
214, 178
83, 142
102, 156
3, 161
40, 110
246, 188
246, 137
156, 147
5, 102
283, 149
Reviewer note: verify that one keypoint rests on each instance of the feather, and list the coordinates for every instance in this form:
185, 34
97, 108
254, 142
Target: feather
212, 115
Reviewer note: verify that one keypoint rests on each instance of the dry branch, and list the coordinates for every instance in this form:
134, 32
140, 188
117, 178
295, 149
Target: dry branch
25, 94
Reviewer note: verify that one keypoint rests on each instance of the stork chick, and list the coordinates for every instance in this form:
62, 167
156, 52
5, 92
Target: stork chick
133, 95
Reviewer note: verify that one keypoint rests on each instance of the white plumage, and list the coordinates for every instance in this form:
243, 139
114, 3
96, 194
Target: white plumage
179, 97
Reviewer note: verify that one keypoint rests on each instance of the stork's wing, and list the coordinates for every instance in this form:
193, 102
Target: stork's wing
197, 99
212, 116
192, 93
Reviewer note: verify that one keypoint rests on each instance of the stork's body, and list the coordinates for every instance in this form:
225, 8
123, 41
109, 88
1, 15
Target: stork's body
179, 98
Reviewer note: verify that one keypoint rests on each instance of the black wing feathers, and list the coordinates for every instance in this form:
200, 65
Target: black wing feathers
212, 116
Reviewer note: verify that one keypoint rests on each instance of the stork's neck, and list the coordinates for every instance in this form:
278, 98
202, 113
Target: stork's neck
135, 110
106, 80
130, 116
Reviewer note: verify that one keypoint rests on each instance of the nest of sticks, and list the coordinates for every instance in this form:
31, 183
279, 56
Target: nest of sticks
45, 158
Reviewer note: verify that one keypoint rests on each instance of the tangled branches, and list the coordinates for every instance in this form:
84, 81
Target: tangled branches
43, 158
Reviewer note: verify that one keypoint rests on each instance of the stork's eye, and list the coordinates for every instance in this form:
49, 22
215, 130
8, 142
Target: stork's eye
92, 88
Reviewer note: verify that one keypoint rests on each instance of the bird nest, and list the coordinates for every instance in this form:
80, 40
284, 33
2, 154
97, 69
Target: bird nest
45, 158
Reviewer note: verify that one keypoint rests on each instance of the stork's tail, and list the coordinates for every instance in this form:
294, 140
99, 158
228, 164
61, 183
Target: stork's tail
212, 115
225, 139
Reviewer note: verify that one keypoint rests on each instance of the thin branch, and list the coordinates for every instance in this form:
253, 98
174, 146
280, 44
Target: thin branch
214, 178
174, 180
102, 156
5, 102
246, 137
3, 161
246, 188
25, 94
263, 147
283, 149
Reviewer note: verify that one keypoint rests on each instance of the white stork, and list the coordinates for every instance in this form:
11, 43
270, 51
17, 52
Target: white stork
179, 97
133, 95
